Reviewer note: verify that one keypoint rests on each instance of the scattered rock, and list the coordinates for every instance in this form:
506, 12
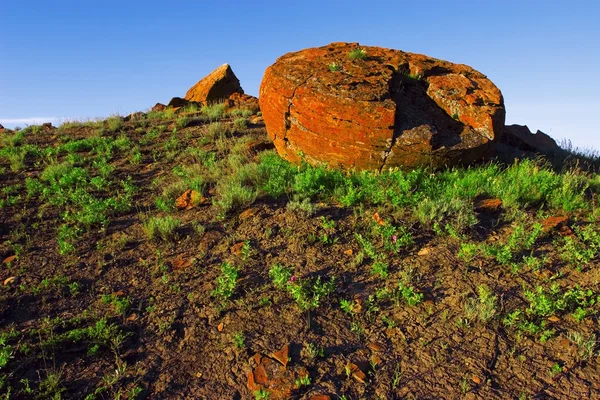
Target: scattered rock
273, 377
135, 116
237, 248
488, 205
189, 199
220, 327
159, 107
520, 137
177, 102
357, 373
132, 317
246, 214
373, 346
47, 127
392, 109
13, 280
476, 379
378, 219
242, 101
375, 360
348, 252
553, 318
216, 86
9, 259
552, 223
320, 397
424, 251
182, 263
282, 355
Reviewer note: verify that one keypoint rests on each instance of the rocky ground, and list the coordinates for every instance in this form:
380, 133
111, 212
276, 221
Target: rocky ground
175, 255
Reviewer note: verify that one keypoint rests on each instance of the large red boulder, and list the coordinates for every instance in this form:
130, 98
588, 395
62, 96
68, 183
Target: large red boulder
384, 108
216, 86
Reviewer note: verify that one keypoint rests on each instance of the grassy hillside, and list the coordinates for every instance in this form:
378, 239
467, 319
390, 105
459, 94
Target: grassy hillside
479, 282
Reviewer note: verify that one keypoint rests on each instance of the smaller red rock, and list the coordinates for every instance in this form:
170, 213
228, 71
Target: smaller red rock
159, 107
11, 280
246, 214
357, 373
237, 248
9, 259
189, 199
282, 355
488, 205
378, 219
551, 223
320, 397
181, 263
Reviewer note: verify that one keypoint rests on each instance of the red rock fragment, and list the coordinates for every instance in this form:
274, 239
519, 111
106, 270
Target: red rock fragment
11, 280
220, 327
282, 355
476, 379
237, 248
158, 107
552, 223
320, 397
374, 346
378, 219
181, 263
357, 373
9, 259
375, 360
488, 205
189, 199
246, 214
348, 252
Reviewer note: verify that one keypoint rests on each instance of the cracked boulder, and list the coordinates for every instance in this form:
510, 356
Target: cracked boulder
388, 109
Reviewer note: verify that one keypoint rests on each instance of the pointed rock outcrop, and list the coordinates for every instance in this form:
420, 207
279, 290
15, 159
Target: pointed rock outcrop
216, 86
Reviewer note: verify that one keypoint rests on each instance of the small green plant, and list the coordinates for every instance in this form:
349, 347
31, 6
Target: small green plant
121, 304
409, 295
240, 123
162, 228
303, 381
556, 369
380, 268
303, 207
239, 340
226, 282
586, 345
312, 351
482, 308
357, 54
334, 67
280, 275
262, 394
214, 111
348, 307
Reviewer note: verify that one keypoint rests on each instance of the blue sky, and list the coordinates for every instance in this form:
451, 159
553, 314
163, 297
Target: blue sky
87, 59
